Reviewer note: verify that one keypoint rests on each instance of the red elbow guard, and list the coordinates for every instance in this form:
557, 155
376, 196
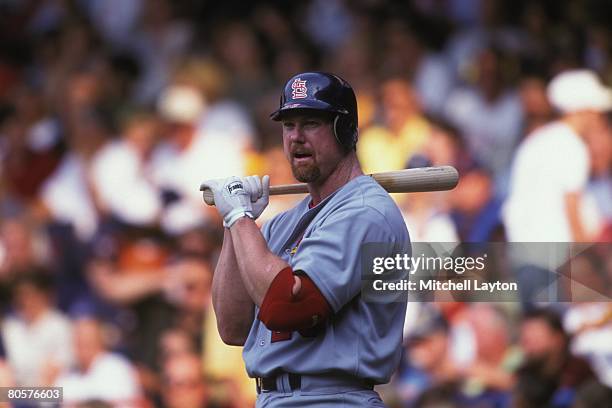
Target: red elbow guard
282, 311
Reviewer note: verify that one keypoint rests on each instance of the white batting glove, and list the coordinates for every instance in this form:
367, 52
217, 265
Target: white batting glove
232, 200
259, 189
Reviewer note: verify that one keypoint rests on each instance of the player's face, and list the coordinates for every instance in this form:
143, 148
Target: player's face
310, 145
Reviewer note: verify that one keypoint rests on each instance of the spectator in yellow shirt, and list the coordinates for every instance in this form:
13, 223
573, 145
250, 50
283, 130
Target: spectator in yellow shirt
389, 146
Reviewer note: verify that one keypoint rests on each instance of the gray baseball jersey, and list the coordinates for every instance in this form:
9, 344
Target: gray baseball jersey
361, 339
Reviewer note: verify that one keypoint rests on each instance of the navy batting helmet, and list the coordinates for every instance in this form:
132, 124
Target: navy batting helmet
324, 92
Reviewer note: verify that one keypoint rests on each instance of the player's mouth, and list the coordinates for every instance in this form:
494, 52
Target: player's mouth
301, 157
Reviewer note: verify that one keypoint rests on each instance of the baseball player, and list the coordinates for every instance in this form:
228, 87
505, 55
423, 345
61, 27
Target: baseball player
290, 292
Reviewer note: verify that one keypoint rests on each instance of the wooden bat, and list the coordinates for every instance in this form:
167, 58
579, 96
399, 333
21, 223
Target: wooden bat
401, 181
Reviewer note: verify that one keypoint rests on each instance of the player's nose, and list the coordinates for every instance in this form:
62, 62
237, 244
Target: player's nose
296, 135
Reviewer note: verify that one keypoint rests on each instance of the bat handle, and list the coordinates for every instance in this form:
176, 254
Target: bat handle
208, 196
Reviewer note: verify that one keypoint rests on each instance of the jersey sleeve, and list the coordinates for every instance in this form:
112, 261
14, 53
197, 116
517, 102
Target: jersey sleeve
331, 254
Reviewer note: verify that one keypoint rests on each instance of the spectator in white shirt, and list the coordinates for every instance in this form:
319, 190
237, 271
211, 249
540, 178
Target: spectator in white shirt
551, 166
187, 156
37, 337
99, 374
120, 173
549, 175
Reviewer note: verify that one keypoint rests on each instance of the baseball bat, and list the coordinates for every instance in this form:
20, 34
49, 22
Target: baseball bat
400, 181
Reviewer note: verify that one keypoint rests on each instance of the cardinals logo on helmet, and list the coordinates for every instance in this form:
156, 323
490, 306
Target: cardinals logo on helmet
299, 89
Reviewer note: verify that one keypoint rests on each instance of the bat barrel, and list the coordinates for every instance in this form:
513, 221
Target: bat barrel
419, 179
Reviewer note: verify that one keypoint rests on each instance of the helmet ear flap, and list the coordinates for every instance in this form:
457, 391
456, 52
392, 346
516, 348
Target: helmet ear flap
345, 131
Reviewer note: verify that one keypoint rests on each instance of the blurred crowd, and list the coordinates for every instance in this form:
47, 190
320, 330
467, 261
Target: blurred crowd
113, 111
